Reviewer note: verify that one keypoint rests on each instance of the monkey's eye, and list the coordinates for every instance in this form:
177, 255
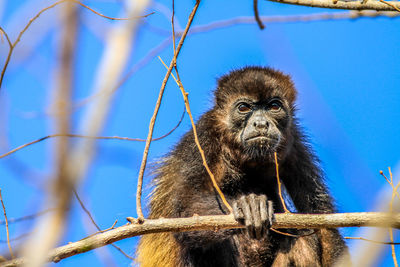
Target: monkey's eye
275, 105
244, 107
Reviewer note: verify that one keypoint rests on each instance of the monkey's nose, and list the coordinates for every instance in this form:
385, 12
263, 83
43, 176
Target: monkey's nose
260, 124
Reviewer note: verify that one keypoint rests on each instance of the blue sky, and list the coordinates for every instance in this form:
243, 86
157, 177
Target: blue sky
346, 72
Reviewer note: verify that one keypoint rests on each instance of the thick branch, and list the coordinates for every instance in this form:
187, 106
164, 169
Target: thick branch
196, 223
354, 5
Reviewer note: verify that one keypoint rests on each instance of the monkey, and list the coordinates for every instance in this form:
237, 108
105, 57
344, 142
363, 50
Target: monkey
253, 117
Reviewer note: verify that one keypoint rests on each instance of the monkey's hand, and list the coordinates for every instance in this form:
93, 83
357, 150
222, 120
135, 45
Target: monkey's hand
255, 212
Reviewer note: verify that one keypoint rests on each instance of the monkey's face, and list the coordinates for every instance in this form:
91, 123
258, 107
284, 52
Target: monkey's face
255, 106
259, 126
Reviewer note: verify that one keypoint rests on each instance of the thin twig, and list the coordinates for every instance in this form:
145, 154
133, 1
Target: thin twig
392, 247
8, 232
323, 16
3, 32
257, 15
279, 184
97, 226
12, 45
74, 1
372, 241
186, 100
384, 176
102, 231
153, 118
390, 183
387, 3
292, 235
92, 137
196, 139
25, 218
173, 27
107, 17
394, 191
10, 51
19, 237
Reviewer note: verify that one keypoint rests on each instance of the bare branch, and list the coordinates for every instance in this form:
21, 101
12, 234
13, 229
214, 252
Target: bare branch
354, 5
293, 18
240, 21
27, 217
96, 225
372, 241
214, 223
257, 15
8, 232
16, 238
280, 184
12, 45
394, 191
186, 100
196, 138
107, 17
10, 51
92, 137
153, 118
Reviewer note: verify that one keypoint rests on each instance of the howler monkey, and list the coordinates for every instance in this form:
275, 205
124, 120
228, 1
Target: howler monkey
253, 117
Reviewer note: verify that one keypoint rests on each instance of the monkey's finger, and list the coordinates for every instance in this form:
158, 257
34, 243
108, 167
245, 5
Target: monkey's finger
271, 214
263, 214
237, 212
248, 218
263, 208
255, 213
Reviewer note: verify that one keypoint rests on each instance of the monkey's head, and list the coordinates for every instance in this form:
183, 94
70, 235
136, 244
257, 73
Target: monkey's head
255, 106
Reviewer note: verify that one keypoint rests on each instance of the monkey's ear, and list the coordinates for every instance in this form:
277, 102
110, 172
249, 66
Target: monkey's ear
291, 92
221, 96
287, 87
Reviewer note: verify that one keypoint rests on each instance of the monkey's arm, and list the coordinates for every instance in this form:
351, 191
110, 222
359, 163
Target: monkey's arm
201, 203
304, 181
305, 185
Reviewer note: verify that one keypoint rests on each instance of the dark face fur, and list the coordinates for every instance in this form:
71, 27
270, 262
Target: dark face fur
258, 114
258, 126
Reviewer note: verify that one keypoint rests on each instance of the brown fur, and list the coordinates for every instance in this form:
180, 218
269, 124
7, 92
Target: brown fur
299, 252
183, 187
158, 250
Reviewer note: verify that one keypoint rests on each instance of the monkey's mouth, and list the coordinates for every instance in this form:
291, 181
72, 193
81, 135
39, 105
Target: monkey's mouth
263, 141
259, 138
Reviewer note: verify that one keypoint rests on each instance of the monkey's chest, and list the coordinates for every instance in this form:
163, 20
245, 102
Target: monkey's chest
254, 252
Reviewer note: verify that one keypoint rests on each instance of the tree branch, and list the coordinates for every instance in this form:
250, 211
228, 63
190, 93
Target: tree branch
354, 5
156, 109
213, 223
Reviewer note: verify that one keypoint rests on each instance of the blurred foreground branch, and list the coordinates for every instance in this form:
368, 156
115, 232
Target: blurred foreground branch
213, 223
50, 228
